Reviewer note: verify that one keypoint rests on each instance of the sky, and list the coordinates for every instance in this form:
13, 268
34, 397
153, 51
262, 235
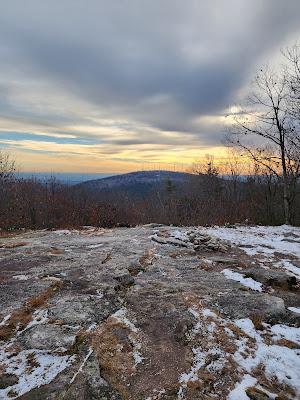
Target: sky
121, 85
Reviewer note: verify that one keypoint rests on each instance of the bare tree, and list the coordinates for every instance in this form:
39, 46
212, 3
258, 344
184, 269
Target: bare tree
266, 132
7, 166
292, 55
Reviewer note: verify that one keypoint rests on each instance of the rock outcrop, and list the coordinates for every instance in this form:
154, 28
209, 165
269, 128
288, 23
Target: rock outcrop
152, 312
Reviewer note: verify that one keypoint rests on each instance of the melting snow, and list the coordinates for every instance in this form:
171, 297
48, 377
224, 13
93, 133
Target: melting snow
39, 317
20, 277
48, 367
248, 282
262, 239
286, 332
180, 235
191, 376
294, 309
238, 393
280, 362
290, 267
120, 315
5, 319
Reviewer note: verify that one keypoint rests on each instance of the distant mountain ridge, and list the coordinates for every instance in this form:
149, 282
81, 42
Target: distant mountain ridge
136, 182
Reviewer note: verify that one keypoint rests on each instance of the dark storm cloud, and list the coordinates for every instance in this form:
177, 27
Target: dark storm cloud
155, 63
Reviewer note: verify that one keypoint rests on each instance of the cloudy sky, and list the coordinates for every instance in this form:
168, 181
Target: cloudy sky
111, 86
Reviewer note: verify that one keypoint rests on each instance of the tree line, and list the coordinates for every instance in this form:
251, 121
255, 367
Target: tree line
206, 197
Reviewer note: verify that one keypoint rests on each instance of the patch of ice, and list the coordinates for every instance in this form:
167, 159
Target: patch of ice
248, 282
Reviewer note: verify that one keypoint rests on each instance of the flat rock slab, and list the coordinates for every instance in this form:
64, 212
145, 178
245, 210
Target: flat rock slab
147, 313
81, 310
48, 337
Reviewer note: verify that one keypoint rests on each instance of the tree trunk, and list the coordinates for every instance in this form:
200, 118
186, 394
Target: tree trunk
286, 189
286, 202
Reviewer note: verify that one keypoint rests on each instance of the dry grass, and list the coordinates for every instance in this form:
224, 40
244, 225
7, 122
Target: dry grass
147, 258
21, 317
12, 245
284, 391
287, 343
10, 234
12, 393
255, 393
257, 320
32, 363
115, 358
82, 337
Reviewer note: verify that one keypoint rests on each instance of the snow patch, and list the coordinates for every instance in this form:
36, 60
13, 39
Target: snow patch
5, 319
290, 267
260, 240
286, 332
95, 246
47, 367
279, 362
120, 315
191, 376
20, 277
39, 317
238, 393
294, 309
248, 282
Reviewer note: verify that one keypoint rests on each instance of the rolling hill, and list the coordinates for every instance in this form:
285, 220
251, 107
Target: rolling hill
140, 182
